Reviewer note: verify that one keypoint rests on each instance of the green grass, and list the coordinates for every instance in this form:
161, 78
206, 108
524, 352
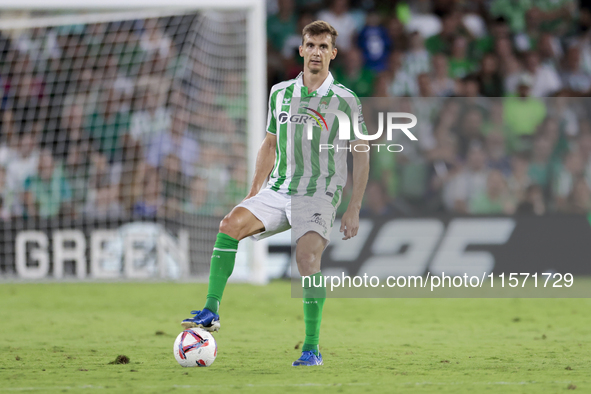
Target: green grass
61, 338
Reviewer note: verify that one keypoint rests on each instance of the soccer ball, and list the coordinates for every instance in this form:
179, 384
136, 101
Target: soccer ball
195, 347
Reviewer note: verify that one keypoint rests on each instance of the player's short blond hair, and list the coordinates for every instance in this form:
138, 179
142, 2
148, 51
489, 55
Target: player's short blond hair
318, 28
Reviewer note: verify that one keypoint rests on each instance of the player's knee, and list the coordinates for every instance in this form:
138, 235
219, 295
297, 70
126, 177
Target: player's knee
229, 226
308, 263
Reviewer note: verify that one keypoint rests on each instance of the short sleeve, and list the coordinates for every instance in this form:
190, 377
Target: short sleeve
271, 115
356, 108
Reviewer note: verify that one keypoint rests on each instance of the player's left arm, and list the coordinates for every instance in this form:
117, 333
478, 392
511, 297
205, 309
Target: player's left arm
350, 219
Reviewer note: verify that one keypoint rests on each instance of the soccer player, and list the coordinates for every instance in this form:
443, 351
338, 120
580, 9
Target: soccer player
305, 183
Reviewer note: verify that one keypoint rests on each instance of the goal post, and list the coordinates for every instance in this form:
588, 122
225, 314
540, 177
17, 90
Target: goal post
69, 12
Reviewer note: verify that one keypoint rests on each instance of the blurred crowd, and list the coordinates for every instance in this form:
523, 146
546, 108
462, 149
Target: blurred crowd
121, 120
498, 87
142, 119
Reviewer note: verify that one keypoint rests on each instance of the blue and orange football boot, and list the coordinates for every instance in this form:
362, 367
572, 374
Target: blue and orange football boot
307, 359
205, 319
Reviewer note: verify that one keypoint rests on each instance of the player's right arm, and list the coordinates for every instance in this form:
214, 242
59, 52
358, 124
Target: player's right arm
264, 164
266, 156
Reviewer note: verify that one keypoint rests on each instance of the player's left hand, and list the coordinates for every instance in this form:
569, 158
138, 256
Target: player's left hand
350, 224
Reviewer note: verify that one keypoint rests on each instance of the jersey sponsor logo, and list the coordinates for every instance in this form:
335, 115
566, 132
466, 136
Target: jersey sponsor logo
283, 117
315, 117
318, 115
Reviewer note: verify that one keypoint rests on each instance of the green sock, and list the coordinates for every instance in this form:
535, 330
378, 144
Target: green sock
314, 297
222, 265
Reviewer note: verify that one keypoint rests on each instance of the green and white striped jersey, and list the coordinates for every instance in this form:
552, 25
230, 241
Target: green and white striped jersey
301, 168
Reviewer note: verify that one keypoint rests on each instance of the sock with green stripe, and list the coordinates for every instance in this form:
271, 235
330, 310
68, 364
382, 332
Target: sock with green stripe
314, 293
222, 265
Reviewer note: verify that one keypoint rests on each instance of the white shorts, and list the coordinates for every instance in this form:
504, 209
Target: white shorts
279, 212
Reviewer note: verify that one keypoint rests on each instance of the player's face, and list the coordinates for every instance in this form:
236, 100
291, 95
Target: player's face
317, 52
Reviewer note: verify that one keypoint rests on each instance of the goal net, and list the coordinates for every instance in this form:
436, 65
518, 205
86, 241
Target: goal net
124, 140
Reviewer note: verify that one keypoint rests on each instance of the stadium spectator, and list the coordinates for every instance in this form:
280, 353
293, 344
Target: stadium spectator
425, 85
579, 200
397, 34
355, 75
495, 199
177, 140
550, 50
76, 170
540, 166
470, 131
339, 17
233, 98
513, 11
383, 169
175, 185
9, 141
374, 42
23, 165
108, 124
529, 38
584, 145
563, 111
459, 63
489, 78
153, 41
498, 29
6, 197
376, 201
198, 202
445, 167
291, 54
214, 169
565, 177
533, 202
417, 59
497, 153
545, 80
519, 180
468, 183
442, 42
237, 186
523, 114
47, 193
103, 205
281, 25
441, 84
102, 202
400, 83
129, 173
572, 75
71, 133
150, 204
150, 118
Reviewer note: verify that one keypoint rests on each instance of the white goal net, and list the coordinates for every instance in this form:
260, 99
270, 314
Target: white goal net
123, 140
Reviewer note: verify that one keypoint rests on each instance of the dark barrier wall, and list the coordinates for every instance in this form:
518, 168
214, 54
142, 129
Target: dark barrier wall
559, 243
385, 246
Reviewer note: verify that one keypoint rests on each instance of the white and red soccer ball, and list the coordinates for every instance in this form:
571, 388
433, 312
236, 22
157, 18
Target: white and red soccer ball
195, 347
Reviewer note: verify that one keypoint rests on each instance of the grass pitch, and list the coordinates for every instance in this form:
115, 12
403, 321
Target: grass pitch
62, 337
